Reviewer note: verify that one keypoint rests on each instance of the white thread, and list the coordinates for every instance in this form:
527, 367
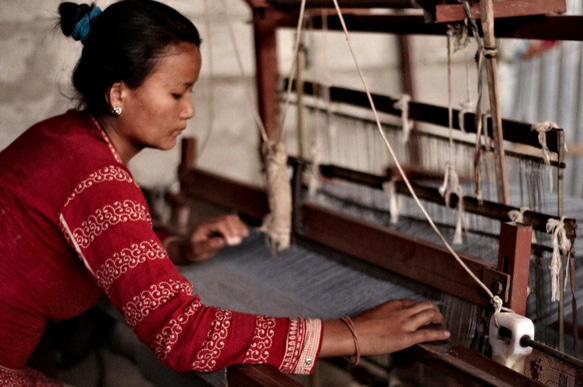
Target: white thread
517, 216
403, 104
542, 128
398, 165
561, 248
451, 185
394, 201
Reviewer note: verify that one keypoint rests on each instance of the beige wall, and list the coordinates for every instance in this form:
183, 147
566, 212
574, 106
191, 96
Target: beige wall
36, 61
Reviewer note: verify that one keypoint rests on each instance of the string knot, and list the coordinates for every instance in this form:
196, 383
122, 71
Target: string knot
403, 104
561, 247
517, 216
497, 303
542, 128
451, 185
490, 52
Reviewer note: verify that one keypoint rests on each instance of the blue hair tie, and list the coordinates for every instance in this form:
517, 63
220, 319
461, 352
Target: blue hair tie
83, 26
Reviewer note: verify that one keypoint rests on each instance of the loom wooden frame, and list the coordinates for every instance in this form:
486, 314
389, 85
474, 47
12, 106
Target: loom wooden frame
253, 202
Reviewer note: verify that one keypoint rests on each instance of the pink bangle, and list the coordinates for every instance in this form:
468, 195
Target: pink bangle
350, 326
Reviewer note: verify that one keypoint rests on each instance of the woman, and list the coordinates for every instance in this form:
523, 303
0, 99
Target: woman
73, 223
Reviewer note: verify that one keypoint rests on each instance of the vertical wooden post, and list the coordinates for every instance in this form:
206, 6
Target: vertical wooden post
265, 25
487, 18
514, 259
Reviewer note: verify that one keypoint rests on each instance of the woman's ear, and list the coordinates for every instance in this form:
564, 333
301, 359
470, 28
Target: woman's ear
114, 95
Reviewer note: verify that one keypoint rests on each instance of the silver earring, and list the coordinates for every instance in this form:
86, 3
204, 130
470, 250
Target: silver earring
116, 111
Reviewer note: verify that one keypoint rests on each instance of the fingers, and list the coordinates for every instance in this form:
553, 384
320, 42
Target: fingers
229, 227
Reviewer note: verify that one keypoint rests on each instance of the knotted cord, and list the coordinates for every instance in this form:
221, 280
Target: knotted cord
403, 104
542, 128
561, 248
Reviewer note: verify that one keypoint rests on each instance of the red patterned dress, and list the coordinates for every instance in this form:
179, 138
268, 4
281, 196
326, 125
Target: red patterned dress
73, 223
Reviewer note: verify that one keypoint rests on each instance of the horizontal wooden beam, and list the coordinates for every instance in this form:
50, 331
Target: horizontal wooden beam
400, 253
247, 200
514, 131
547, 27
488, 209
447, 13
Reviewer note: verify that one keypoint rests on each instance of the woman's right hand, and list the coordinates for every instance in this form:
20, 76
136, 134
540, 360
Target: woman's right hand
387, 328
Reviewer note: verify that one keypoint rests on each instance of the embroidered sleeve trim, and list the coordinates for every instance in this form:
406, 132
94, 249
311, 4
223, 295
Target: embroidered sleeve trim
157, 295
262, 341
311, 347
303, 344
109, 215
212, 347
169, 335
128, 258
105, 174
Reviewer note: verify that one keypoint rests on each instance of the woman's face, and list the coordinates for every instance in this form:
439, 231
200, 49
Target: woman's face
155, 114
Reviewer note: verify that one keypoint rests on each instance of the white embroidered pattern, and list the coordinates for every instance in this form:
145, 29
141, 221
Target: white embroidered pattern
107, 140
25, 377
105, 174
166, 339
128, 258
295, 341
157, 295
213, 346
258, 351
109, 215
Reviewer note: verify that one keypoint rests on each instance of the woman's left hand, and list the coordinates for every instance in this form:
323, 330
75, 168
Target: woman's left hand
211, 235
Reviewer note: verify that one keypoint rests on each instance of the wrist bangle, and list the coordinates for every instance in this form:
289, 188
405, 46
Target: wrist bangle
350, 326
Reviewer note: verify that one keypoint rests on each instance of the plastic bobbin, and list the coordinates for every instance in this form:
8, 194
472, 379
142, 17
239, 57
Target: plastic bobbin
505, 340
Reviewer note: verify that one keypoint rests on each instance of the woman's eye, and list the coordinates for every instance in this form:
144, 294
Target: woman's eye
177, 96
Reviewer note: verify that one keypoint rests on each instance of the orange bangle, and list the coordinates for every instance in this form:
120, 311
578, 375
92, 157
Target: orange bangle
350, 326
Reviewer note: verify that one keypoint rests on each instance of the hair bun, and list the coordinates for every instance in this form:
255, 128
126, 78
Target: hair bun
76, 19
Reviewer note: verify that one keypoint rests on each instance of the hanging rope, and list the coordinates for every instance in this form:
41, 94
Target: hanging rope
277, 224
495, 300
561, 248
542, 128
403, 104
451, 181
451, 186
394, 201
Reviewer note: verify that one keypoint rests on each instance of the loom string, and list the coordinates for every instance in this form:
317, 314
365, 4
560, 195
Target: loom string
212, 79
561, 248
478, 110
256, 116
277, 224
496, 301
451, 180
293, 68
466, 106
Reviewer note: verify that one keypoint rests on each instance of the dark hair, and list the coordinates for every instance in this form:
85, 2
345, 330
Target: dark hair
123, 44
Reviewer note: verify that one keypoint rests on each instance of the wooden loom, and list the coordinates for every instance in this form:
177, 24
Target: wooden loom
369, 242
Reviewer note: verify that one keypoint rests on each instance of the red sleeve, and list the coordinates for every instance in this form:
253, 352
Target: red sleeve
106, 220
